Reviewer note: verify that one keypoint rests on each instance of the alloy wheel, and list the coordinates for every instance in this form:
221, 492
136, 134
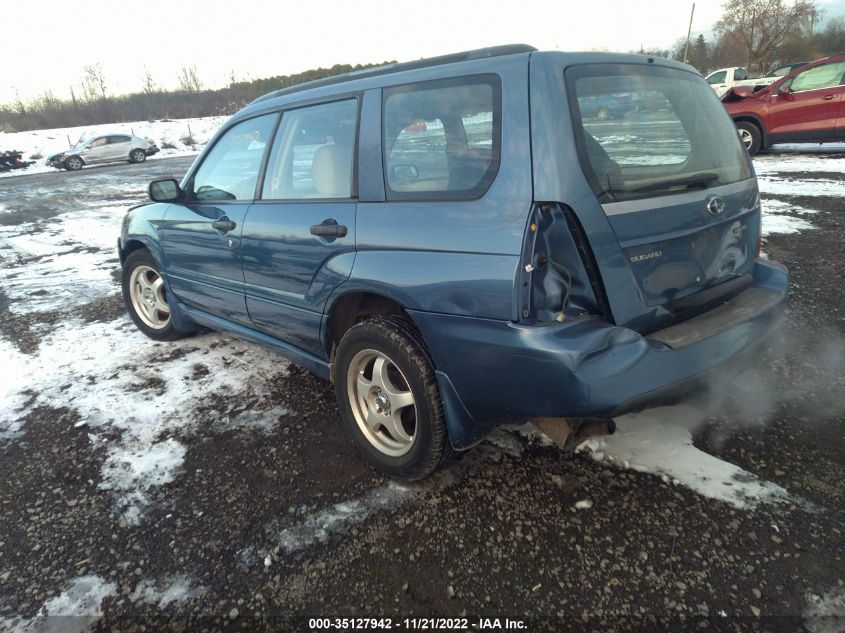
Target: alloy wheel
382, 402
146, 289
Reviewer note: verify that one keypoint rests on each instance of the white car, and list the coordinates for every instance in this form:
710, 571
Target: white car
107, 148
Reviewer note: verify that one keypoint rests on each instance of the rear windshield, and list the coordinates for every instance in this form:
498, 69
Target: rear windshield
645, 131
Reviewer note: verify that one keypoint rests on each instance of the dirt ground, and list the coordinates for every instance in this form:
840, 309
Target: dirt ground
207, 484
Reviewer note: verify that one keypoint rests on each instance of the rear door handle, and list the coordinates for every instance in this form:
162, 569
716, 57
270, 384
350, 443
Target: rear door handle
828, 97
223, 224
329, 228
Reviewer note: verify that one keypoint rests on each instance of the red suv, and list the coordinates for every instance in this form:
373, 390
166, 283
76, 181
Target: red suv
806, 106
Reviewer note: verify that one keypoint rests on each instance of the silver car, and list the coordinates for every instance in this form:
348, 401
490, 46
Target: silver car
108, 148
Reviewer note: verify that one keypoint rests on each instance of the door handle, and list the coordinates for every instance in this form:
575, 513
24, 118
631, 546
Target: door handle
223, 224
828, 97
329, 228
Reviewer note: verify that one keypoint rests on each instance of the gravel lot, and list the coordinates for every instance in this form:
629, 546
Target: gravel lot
208, 484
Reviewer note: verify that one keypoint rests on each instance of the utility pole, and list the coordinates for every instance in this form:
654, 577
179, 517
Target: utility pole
689, 32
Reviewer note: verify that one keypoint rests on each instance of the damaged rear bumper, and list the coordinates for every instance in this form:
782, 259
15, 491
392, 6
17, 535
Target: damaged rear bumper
493, 372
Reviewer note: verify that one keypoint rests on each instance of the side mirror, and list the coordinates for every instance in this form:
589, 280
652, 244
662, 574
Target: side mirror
165, 190
784, 90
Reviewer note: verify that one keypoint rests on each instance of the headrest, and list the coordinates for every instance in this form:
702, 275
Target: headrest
331, 171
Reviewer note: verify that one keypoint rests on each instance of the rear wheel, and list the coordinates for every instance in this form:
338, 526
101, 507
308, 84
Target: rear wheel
603, 113
137, 156
388, 398
145, 297
750, 136
73, 163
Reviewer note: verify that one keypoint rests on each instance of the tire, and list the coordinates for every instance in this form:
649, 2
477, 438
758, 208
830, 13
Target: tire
74, 163
137, 156
388, 398
750, 136
145, 297
603, 113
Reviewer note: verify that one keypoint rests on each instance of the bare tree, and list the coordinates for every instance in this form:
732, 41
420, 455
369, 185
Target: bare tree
93, 83
189, 80
762, 26
150, 86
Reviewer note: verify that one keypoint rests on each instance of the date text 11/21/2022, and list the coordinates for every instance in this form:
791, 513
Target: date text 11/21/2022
416, 624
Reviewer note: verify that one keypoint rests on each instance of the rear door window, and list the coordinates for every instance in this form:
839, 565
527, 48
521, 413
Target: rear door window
442, 139
313, 153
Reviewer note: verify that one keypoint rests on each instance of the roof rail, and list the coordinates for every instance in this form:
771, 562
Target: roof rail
479, 53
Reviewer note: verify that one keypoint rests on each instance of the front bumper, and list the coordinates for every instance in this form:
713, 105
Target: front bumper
57, 162
493, 372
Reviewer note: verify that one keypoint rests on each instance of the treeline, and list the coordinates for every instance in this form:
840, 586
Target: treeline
761, 35
94, 104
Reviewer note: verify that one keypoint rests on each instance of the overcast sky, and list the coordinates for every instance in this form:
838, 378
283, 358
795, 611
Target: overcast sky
54, 39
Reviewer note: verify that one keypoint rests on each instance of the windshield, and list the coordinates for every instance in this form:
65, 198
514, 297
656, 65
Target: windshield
647, 131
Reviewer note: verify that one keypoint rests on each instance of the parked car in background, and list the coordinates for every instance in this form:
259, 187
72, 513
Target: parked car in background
13, 159
724, 79
456, 246
782, 71
806, 106
108, 148
605, 107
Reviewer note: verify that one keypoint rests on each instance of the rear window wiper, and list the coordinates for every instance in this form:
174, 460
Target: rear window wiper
693, 180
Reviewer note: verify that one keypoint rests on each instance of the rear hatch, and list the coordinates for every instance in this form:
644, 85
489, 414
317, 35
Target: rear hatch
675, 183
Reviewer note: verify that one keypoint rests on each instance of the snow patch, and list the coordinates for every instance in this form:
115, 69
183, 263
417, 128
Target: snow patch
318, 526
785, 159
62, 265
73, 611
659, 441
825, 613
143, 391
776, 218
804, 186
175, 590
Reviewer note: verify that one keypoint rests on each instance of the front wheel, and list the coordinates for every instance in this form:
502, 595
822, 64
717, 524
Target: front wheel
137, 156
389, 400
750, 136
73, 163
145, 297
603, 113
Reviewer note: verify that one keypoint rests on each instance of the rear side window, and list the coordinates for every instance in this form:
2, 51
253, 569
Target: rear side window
230, 170
442, 139
313, 153
118, 139
645, 131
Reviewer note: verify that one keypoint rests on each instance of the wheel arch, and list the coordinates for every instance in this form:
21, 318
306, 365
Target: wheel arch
350, 308
135, 243
354, 306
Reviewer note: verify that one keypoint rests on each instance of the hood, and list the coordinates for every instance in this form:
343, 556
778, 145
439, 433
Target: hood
739, 93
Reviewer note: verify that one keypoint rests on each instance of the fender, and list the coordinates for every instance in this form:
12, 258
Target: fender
140, 229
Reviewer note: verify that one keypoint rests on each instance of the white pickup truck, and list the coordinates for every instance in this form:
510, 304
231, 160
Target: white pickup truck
724, 79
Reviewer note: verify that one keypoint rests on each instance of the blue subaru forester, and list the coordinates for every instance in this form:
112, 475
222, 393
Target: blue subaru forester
456, 244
